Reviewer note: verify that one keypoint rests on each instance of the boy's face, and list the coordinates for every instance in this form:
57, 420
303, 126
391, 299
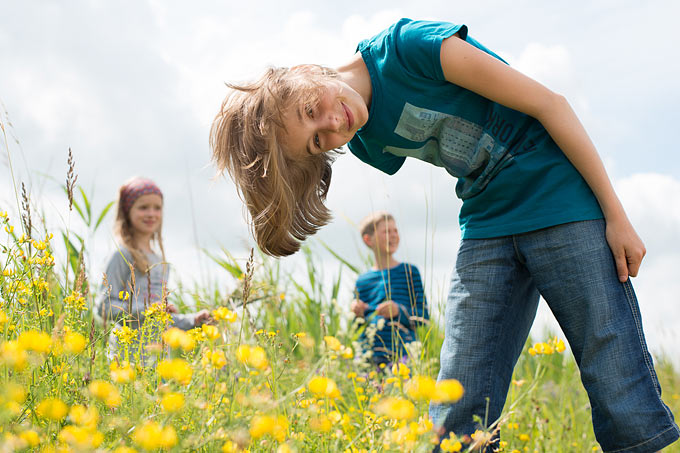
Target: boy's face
326, 125
385, 239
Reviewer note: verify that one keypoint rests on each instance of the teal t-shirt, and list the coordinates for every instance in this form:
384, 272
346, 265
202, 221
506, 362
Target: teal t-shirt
512, 177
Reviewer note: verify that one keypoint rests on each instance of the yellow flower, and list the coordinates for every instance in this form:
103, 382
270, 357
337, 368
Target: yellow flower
74, 342
177, 338
253, 356
30, 437
210, 332
524, 437
396, 408
321, 423
123, 295
32, 340
447, 391
122, 373
81, 438
347, 353
52, 408
13, 355
105, 392
284, 448
451, 444
124, 450
261, 425
230, 447
560, 346
172, 402
218, 359
3, 318
324, 387
76, 301
151, 436
125, 335
333, 343
176, 369
224, 314
399, 369
421, 388
87, 417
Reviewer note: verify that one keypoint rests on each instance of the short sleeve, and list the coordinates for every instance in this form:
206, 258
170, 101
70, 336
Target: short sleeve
418, 45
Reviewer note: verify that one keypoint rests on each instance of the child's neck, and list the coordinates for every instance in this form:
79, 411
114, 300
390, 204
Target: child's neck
143, 242
384, 261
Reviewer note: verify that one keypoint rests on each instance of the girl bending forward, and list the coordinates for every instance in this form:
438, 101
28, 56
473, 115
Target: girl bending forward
539, 214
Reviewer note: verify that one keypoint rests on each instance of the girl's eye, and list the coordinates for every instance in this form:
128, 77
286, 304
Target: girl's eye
317, 142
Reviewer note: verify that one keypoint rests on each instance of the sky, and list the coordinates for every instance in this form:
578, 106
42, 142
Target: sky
132, 88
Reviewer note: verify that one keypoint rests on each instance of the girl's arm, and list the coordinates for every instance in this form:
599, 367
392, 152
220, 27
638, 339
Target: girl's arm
468, 67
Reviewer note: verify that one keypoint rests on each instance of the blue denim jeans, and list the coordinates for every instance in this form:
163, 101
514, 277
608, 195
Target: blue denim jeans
492, 303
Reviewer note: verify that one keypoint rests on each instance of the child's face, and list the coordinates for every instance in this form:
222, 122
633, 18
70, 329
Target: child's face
385, 239
327, 125
146, 214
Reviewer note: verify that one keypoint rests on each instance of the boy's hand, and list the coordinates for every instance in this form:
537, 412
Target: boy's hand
388, 309
358, 307
626, 246
202, 317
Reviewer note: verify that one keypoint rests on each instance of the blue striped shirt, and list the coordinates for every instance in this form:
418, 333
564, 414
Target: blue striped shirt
401, 284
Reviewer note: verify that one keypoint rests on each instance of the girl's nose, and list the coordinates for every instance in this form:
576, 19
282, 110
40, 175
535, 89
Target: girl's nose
332, 122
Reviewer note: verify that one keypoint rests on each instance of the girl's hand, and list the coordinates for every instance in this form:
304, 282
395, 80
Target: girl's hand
202, 317
171, 308
626, 246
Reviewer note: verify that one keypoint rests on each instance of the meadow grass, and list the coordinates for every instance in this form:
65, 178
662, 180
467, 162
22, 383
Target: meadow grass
280, 370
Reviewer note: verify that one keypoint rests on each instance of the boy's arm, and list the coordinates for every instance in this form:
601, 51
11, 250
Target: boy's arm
473, 69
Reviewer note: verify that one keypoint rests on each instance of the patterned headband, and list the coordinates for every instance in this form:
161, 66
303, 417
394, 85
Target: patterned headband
135, 189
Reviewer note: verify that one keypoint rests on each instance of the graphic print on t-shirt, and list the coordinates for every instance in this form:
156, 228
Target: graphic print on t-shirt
460, 146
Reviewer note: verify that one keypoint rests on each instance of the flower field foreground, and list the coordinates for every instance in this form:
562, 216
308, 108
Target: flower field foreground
276, 372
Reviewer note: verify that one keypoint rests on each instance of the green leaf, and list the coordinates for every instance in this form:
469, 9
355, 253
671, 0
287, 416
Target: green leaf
73, 254
88, 208
339, 258
230, 266
103, 214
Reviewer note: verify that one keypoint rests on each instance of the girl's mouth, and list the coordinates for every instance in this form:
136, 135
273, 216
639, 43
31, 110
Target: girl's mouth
350, 117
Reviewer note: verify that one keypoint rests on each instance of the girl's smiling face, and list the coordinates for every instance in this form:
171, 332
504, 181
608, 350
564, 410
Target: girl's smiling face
327, 124
146, 214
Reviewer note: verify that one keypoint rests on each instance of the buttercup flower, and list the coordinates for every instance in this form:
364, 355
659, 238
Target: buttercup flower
176, 369
172, 402
52, 409
74, 343
447, 391
396, 408
324, 387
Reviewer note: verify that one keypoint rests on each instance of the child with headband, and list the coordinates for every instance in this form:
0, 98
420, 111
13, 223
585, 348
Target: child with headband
137, 226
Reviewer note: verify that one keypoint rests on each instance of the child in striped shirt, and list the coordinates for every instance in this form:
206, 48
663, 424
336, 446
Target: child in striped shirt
389, 296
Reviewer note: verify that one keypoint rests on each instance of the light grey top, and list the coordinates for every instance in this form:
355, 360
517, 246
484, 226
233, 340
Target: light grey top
148, 289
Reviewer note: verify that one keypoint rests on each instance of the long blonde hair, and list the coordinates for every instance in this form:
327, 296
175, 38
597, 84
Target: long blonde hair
123, 230
285, 197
